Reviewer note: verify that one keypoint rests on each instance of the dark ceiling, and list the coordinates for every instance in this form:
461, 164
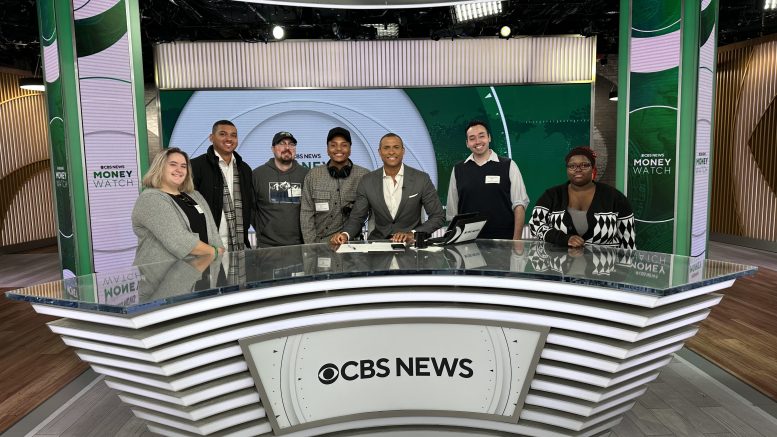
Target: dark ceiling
170, 20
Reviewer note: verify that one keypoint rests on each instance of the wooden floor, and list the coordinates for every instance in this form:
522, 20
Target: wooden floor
35, 269
34, 363
740, 336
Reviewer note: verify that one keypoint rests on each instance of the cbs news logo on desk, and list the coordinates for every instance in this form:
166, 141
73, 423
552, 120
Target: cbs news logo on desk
412, 366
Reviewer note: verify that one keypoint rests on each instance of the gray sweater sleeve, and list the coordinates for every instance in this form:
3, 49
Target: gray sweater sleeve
156, 216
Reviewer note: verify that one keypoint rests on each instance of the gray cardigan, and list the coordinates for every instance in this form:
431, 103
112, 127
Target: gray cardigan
163, 229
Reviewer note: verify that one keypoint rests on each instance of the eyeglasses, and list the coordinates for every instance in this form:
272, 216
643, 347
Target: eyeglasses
286, 144
582, 166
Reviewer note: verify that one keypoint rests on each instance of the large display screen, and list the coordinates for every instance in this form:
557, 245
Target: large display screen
535, 125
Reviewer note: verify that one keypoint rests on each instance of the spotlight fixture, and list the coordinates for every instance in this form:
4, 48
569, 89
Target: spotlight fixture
473, 11
32, 84
278, 32
770, 5
614, 94
505, 32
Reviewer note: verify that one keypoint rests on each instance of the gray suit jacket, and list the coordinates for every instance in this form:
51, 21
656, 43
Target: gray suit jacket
417, 191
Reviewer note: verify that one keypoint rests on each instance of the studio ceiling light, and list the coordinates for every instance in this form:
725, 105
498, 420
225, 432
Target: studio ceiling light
505, 32
770, 4
473, 11
278, 32
32, 84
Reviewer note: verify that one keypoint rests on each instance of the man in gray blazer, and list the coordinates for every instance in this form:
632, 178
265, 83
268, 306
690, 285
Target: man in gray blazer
394, 194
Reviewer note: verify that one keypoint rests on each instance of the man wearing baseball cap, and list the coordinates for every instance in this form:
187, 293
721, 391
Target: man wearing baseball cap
329, 191
278, 187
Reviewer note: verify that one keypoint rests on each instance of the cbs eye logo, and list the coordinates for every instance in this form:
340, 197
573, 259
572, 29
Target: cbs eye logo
328, 373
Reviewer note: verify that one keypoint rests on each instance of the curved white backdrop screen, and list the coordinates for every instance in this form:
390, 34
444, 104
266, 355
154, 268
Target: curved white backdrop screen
259, 114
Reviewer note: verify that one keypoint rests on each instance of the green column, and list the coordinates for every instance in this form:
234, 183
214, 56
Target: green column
97, 127
58, 55
657, 118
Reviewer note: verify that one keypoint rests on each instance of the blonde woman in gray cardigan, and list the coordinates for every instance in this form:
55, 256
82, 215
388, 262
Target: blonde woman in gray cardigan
171, 219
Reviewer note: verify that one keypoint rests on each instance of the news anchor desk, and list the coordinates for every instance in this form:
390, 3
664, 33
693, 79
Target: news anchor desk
518, 337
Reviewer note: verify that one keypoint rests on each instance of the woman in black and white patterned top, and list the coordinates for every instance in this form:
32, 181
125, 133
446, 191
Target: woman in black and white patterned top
582, 211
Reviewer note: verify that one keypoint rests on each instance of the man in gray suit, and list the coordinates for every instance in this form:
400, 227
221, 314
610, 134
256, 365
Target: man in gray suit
394, 195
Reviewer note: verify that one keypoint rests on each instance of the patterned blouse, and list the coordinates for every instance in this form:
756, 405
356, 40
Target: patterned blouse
610, 218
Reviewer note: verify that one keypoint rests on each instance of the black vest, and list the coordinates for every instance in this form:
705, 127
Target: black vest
490, 200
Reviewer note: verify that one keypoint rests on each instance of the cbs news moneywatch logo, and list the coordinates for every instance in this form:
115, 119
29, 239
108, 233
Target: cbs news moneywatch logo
381, 368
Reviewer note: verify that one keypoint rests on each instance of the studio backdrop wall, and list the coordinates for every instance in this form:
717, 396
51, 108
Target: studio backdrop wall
26, 204
744, 190
535, 93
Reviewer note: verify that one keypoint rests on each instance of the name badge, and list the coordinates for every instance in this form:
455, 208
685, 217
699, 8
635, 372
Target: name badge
295, 192
199, 209
492, 179
322, 206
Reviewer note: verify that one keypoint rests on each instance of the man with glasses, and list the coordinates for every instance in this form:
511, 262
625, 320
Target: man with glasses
489, 184
278, 187
224, 180
329, 191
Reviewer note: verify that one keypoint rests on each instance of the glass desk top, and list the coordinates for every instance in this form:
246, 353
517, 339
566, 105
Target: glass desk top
145, 287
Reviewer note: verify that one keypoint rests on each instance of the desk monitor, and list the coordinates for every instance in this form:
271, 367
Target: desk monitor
463, 228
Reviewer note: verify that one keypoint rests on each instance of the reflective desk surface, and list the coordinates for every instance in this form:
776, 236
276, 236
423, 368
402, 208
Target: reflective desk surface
146, 287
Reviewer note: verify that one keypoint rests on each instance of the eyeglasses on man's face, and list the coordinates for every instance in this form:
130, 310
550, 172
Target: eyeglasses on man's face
285, 144
583, 166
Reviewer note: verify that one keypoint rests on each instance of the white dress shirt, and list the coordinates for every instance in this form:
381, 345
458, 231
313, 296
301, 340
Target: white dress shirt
392, 192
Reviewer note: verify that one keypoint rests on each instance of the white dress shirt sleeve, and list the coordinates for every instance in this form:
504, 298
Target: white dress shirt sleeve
518, 194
